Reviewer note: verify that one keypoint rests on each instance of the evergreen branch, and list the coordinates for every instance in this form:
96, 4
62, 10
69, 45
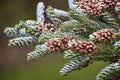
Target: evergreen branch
32, 31
22, 29
106, 52
40, 12
11, 32
22, 41
117, 45
61, 14
72, 3
30, 22
76, 63
68, 54
47, 35
18, 27
18, 30
29, 26
69, 25
71, 36
82, 29
105, 57
109, 72
39, 52
22, 32
37, 47
74, 14
82, 18
106, 21
55, 19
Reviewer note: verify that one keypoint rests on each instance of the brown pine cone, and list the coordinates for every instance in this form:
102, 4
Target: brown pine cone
95, 7
102, 35
57, 44
84, 47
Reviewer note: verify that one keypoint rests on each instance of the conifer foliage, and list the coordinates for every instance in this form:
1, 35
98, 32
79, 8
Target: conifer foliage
89, 31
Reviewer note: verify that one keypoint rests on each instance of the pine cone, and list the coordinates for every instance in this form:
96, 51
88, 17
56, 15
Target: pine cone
102, 35
42, 26
57, 44
94, 7
84, 47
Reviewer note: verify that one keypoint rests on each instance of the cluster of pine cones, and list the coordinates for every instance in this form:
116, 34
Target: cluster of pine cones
57, 44
94, 7
42, 26
84, 47
102, 35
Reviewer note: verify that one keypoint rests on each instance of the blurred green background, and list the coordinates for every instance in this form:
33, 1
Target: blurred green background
13, 64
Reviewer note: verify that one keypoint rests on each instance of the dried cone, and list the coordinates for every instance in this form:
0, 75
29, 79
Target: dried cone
94, 7
84, 47
102, 36
57, 44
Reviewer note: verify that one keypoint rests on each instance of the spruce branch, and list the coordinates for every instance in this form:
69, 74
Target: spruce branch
22, 32
117, 45
70, 24
40, 12
68, 54
77, 15
72, 3
61, 14
109, 72
29, 27
37, 46
11, 32
105, 55
30, 22
78, 28
55, 19
17, 27
47, 35
39, 52
108, 20
24, 28
77, 63
79, 36
104, 21
23, 41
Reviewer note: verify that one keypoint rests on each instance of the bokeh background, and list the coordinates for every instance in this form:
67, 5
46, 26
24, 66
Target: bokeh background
13, 64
